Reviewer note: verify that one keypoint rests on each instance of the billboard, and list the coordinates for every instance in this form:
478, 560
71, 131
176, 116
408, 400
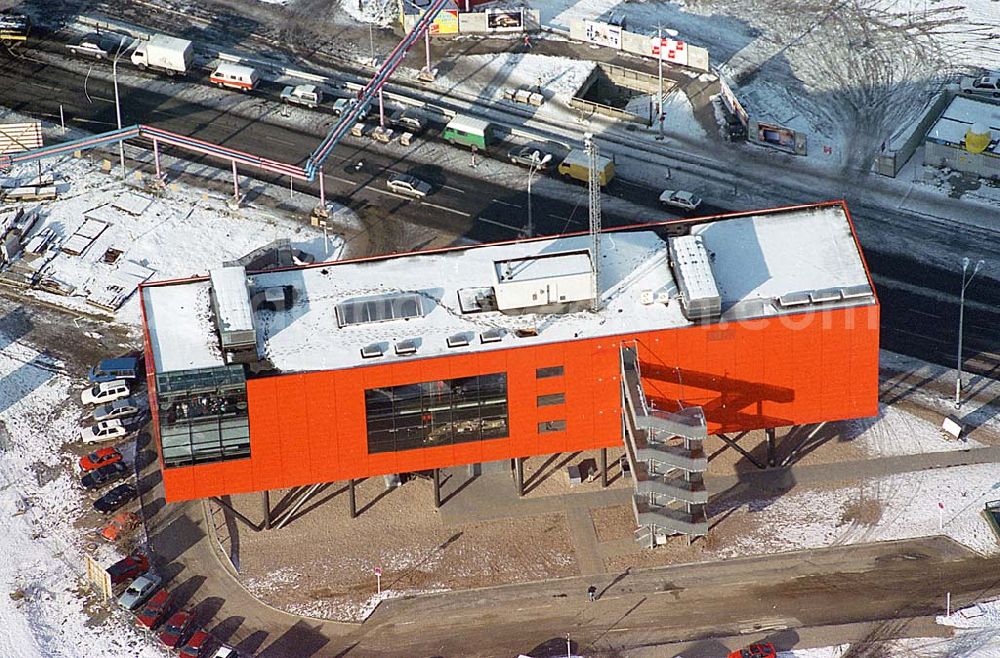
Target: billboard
775, 135
603, 34
505, 20
669, 50
446, 22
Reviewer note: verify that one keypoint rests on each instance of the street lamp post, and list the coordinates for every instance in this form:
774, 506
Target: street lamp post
961, 321
536, 164
118, 107
659, 62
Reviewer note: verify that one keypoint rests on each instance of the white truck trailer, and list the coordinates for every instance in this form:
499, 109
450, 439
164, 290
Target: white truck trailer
170, 55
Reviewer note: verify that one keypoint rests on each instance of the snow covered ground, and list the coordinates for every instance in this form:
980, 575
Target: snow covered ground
41, 607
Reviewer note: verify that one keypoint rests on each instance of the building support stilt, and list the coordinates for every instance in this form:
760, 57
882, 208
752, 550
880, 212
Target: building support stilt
772, 459
265, 505
519, 475
437, 488
604, 467
353, 501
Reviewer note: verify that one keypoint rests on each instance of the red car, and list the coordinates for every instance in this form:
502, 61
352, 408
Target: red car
178, 627
99, 458
155, 610
128, 568
196, 645
758, 650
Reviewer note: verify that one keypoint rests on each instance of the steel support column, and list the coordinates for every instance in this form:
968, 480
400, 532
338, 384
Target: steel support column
265, 506
519, 475
771, 457
437, 488
738, 448
156, 159
604, 467
352, 500
236, 184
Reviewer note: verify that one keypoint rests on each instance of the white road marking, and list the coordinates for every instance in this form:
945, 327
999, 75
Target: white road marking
496, 223
457, 212
505, 203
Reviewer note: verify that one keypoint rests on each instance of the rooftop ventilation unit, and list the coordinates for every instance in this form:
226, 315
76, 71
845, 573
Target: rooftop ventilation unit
230, 299
458, 340
491, 335
371, 351
825, 295
856, 292
559, 278
406, 347
792, 299
380, 308
476, 300
700, 299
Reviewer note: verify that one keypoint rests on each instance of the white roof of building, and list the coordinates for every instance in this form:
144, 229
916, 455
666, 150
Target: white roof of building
754, 260
963, 113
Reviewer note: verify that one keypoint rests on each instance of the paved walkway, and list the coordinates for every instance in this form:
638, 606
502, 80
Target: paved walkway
581, 529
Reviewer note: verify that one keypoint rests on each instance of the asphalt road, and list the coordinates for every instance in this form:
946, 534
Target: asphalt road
919, 302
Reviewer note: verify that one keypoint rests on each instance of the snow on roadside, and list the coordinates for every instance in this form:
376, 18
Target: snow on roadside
490, 74
906, 506
41, 608
897, 432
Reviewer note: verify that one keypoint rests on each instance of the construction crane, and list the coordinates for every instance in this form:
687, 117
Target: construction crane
594, 206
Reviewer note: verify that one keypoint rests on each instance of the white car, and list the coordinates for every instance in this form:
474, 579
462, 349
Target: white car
106, 430
105, 392
987, 85
680, 199
226, 651
408, 185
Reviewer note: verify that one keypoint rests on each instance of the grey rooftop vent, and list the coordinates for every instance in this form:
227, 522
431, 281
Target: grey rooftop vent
458, 340
856, 292
825, 295
491, 335
371, 351
380, 308
405, 347
794, 299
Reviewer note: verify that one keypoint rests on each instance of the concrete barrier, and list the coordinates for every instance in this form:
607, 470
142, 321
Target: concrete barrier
889, 162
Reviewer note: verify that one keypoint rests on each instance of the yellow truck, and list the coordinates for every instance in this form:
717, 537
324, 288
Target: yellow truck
577, 165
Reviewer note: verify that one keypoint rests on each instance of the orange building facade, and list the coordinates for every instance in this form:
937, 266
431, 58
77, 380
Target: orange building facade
310, 427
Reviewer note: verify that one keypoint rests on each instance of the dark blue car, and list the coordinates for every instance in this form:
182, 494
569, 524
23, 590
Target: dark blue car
104, 475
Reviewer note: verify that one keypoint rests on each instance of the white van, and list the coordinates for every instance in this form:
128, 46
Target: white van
235, 76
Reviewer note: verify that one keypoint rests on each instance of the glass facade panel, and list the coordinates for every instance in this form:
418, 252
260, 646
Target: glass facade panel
437, 413
551, 399
203, 415
552, 426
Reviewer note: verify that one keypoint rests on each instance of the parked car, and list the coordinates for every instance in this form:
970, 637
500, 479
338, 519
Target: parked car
119, 409
530, 156
105, 475
140, 590
121, 525
128, 568
177, 629
235, 76
408, 185
407, 120
99, 458
304, 95
226, 651
986, 85
156, 609
116, 498
196, 645
126, 367
103, 392
342, 105
106, 430
680, 199
99, 46
758, 650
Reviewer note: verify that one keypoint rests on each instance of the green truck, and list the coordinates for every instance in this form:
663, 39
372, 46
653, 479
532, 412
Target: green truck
468, 131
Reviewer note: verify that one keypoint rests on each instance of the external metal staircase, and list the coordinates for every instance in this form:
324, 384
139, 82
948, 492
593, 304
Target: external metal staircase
665, 453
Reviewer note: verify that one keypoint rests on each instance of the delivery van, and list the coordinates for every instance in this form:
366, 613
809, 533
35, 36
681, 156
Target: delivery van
468, 131
577, 165
235, 76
